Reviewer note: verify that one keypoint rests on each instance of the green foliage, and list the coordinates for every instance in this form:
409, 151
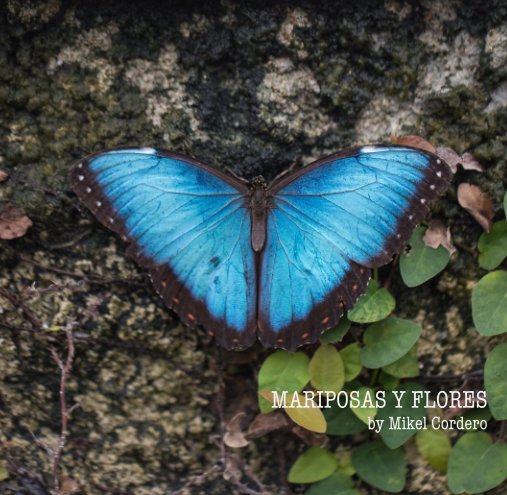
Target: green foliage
476, 464
495, 381
422, 262
342, 421
387, 341
337, 333
405, 367
326, 369
283, 370
399, 405
505, 204
478, 414
374, 305
489, 304
380, 466
493, 246
351, 356
434, 446
310, 418
314, 464
365, 413
336, 484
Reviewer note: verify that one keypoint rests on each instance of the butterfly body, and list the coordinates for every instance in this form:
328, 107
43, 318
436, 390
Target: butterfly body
278, 262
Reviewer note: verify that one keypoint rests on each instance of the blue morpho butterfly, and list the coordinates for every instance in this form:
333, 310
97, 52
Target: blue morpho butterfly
247, 260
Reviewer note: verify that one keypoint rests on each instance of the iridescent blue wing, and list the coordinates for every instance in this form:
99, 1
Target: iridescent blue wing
330, 222
188, 225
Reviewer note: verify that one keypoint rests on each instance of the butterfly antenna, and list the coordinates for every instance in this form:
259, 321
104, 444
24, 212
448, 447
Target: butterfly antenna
283, 173
235, 175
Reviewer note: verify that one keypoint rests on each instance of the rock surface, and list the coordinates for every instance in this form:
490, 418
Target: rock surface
250, 87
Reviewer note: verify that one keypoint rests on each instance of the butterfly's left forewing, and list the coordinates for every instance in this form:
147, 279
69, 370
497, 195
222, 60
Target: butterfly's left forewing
187, 223
332, 220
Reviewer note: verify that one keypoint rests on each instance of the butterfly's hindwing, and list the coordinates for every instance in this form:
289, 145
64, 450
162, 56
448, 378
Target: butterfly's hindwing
187, 225
332, 219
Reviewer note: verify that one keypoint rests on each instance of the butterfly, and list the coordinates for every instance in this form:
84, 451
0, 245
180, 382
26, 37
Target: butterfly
246, 260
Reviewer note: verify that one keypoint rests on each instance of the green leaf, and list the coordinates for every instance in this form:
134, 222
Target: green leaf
387, 341
434, 446
380, 466
314, 464
476, 464
337, 333
342, 421
326, 369
351, 356
422, 262
335, 484
4, 473
345, 463
405, 367
374, 305
387, 381
401, 423
489, 304
495, 381
505, 204
310, 418
366, 397
477, 415
281, 371
493, 246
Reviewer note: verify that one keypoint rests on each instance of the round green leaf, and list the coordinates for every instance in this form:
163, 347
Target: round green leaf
434, 446
351, 356
335, 484
388, 381
400, 419
374, 305
495, 381
422, 262
365, 414
476, 464
326, 369
405, 367
489, 304
281, 371
314, 464
342, 421
477, 414
493, 246
380, 466
387, 341
337, 333
310, 418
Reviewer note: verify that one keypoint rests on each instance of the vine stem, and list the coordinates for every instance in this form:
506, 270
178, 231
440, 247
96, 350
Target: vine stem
65, 411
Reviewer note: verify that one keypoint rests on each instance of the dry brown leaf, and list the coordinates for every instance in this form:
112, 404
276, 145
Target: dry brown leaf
13, 222
263, 424
234, 436
438, 234
477, 203
414, 141
450, 157
469, 162
69, 486
3, 175
310, 437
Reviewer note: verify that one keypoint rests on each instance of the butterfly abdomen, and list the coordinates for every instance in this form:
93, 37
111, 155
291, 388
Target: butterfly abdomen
258, 208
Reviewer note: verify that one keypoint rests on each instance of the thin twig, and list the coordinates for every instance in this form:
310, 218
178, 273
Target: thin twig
65, 411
